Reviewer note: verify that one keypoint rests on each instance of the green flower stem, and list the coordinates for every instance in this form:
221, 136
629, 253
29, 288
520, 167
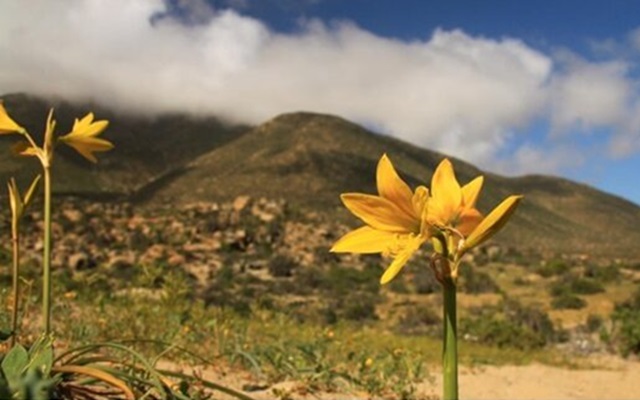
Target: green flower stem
450, 343
46, 257
15, 241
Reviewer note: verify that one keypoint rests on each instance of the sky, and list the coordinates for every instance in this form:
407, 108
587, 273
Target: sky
514, 87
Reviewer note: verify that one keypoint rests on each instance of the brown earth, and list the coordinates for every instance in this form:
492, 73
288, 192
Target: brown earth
607, 378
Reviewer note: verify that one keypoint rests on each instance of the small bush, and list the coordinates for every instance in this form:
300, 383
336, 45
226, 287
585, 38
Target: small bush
571, 284
594, 323
517, 326
281, 266
476, 282
418, 320
626, 318
586, 286
552, 268
360, 307
567, 301
604, 274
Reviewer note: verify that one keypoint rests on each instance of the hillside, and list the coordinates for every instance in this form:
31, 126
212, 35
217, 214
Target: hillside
309, 159
146, 148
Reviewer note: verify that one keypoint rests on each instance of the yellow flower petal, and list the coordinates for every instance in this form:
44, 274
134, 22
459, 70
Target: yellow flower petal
470, 192
468, 220
364, 240
493, 222
24, 149
392, 187
87, 128
419, 200
7, 125
445, 192
401, 259
380, 213
86, 146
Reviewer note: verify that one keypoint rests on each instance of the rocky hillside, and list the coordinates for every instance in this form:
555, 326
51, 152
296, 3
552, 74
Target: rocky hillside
307, 160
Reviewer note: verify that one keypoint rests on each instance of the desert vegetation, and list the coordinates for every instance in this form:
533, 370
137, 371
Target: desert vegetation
146, 298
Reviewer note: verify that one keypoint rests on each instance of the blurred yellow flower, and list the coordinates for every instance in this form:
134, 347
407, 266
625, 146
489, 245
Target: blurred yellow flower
7, 125
394, 222
83, 137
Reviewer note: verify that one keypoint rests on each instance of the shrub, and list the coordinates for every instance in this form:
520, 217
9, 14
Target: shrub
594, 323
567, 300
418, 319
602, 274
360, 307
281, 266
626, 317
475, 282
571, 284
586, 286
518, 326
552, 268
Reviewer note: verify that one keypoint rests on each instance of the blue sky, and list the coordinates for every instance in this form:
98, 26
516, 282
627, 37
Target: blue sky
515, 87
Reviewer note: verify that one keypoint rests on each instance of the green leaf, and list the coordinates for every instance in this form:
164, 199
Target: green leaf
14, 364
41, 355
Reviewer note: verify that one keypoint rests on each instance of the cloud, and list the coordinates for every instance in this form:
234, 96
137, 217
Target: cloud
464, 95
588, 95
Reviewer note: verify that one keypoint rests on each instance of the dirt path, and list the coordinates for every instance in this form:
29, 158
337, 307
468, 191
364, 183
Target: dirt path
613, 379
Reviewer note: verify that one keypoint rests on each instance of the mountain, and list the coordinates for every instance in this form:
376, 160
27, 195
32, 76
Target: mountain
308, 159
146, 148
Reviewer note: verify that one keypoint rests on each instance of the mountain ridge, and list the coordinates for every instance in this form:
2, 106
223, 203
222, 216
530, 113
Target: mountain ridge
308, 159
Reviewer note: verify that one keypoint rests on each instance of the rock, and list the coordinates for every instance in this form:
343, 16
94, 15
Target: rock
240, 203
81, 261
72, 215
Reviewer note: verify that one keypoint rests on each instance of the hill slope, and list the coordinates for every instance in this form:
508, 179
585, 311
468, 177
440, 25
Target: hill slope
145, 148
309, 159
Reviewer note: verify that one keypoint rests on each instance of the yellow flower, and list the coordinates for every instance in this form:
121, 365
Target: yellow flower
394, 220
451, 206
399, 221
17, 201
7, 125
83, 137
452, 212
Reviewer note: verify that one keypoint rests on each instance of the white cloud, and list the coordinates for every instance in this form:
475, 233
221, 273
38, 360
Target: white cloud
588, 96
464, 95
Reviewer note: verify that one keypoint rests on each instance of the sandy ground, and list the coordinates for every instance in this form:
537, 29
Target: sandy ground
612, 378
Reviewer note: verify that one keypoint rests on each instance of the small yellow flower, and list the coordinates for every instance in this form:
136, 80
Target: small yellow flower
7, 125
394, 220
83, 137
17, 201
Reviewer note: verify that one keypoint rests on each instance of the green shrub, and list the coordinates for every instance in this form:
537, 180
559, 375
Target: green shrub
604, 274
552, 268
626, 317
571, 284
567, 300
475, 282
281, 266
586, 286
594, 323
511, 324
418, 319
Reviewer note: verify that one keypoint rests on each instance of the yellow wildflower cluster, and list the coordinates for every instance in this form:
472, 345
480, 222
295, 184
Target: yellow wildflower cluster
398, 221
83, 137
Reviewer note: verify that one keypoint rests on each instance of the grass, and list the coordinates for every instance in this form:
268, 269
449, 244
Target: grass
272, 346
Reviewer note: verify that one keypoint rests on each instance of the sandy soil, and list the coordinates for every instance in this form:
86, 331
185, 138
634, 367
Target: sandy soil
611, 378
